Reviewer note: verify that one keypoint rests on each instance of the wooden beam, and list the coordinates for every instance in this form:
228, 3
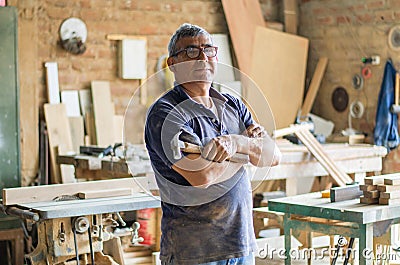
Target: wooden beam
13, 196
104, 193
316, 149
314, 86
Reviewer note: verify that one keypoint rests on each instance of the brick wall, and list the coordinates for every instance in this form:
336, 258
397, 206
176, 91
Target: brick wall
39, 23
344, 31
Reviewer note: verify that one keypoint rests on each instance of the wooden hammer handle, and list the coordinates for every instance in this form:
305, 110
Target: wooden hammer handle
237, 157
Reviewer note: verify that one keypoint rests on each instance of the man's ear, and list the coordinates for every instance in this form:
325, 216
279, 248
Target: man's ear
170, 63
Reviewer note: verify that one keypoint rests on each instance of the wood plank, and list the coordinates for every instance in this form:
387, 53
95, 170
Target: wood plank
105, 193
374, 180
85, 100
387, 201
77, 132
113, 247
53, 90
369, 200
118, 128
60, 141
20, 195
103, 113
242, 17
291, 15
388, 188
364, 187
394, 179
391, 195
279, 54
316, 149
371, 194
30, 84
70, 98
314, 86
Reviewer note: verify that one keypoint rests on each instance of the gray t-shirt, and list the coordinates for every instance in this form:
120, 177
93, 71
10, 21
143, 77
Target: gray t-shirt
199, 225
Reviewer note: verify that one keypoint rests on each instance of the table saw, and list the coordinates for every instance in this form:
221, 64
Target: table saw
71, 230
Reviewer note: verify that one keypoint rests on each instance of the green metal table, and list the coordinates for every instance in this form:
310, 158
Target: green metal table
309, 212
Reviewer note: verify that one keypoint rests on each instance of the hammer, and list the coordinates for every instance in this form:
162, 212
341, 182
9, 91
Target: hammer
183, 141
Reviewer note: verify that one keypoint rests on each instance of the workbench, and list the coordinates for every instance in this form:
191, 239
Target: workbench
311, 213
299, 167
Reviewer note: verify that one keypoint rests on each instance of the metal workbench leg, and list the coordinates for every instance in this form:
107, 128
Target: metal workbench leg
365, 251
288, 238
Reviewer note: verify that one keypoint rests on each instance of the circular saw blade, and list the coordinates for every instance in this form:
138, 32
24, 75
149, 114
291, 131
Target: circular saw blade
340, 99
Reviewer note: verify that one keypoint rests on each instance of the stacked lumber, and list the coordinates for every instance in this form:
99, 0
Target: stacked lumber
383, 189
370, 189
82, 117
390, 190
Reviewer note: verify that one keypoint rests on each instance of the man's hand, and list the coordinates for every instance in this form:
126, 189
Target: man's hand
256, 131
220, 148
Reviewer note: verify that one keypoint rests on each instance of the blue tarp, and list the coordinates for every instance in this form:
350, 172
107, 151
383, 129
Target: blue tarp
386, 132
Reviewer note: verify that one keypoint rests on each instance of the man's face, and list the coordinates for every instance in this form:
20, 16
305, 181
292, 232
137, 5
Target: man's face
188, 70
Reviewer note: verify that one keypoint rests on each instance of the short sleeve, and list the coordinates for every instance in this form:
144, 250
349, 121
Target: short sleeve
163, 123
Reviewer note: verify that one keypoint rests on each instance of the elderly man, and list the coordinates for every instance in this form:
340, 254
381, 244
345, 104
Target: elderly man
206, 198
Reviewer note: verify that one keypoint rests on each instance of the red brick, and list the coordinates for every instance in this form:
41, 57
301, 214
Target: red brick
325, 20
343, 19
149, 5
375, 5
172, 7
384, 16
366, 18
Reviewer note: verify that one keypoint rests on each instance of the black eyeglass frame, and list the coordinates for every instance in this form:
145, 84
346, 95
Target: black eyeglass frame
201, 49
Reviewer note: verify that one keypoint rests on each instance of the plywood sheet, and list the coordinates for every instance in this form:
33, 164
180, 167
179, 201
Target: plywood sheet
278, 68
103, 113
118, 128
242, 17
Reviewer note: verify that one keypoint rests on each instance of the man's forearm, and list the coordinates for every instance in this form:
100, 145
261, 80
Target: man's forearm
262, 151
202, 173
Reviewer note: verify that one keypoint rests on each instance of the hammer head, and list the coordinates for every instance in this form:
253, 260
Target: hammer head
176, 146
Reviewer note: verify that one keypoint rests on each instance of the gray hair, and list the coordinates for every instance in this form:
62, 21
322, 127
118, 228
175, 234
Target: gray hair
185, 30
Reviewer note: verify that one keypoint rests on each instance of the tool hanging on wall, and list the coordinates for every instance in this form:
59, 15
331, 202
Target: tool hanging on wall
394, 38
73, 34
340, 99
395, 108
358, 82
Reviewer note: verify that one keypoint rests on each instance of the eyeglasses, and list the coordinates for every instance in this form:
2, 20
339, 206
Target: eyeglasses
194, 52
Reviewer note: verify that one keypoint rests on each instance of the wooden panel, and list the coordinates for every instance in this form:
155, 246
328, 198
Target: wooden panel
13, 196
60, 141
314, 86
105, 193
103, 113
279, 71
242, 17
